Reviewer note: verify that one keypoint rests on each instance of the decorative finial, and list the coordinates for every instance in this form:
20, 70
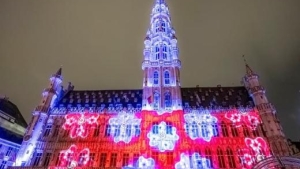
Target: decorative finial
248, 69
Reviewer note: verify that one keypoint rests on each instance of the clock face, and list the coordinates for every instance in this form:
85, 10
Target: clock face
27, 137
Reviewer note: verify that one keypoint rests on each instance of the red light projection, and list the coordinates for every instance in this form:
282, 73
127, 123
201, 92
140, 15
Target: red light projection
224, 148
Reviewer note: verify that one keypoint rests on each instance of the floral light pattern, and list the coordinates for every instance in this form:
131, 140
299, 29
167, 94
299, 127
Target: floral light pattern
237, 118
72, 157
200, 125
124, 126
162, 139
78, 124
195, 161
145, 163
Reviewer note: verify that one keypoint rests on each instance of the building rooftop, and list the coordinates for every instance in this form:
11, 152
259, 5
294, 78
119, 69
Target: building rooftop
10, 112
192, 97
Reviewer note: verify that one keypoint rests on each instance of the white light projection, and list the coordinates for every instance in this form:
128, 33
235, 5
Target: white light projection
123, 126
195, 161
200, 125
161, 138
145, 163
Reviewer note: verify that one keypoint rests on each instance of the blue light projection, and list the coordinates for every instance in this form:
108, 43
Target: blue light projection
200, 125
124, 127
195, 161
163, 136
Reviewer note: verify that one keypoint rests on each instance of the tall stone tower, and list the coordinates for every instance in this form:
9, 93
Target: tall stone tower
161, 65
270, 123
39, 117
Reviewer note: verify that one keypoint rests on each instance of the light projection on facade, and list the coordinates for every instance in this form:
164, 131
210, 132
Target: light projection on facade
78, 124
73, 157
200, 125
193, 161
163, 136
238, 119
145, 163
124, 127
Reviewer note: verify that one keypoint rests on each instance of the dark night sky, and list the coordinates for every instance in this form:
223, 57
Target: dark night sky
100, 44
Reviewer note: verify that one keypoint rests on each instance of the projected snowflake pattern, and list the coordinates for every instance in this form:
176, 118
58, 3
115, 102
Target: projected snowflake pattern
123, 126
78, 124
162, 138
200, 125
238, 119
195, 161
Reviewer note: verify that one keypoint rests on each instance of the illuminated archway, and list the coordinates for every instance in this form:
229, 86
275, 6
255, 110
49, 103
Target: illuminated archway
287, 161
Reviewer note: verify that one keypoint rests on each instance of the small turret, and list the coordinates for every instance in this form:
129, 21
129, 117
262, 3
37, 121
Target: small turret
271, 126
40, 115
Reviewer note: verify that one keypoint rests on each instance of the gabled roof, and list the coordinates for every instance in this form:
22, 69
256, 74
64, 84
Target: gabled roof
192, 97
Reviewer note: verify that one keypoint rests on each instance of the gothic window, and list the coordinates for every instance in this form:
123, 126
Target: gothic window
2, 166
155, 156
56, 130
195, 130
234, 131
255, 132
81, 159
135, 159
125, 161
57, 159
224, 129
156, 100
155, 128
221, 159
246, 131
208, 156
37, 159
107, 131
47, 159
230, 157
164, 51
157, 52
169, 158
113, 160
9, 151
157, 26
168, 102
155, 78
163, 26
204, 131
117, 130
167, 77
137, 130
128, 130
169, 128
96, 131
103, 159
92, 159
215, 129
47, 131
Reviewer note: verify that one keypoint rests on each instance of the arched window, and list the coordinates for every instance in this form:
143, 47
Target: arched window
204, 131
195, 130
167, 77
169, 128
234, 131
155, 78
157, 52
163, 26
221, 159
164, 51
230, 157
155, 128
168, 102
246, 131
224, 129
215, 129
157, 26
156, 100
208, 156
